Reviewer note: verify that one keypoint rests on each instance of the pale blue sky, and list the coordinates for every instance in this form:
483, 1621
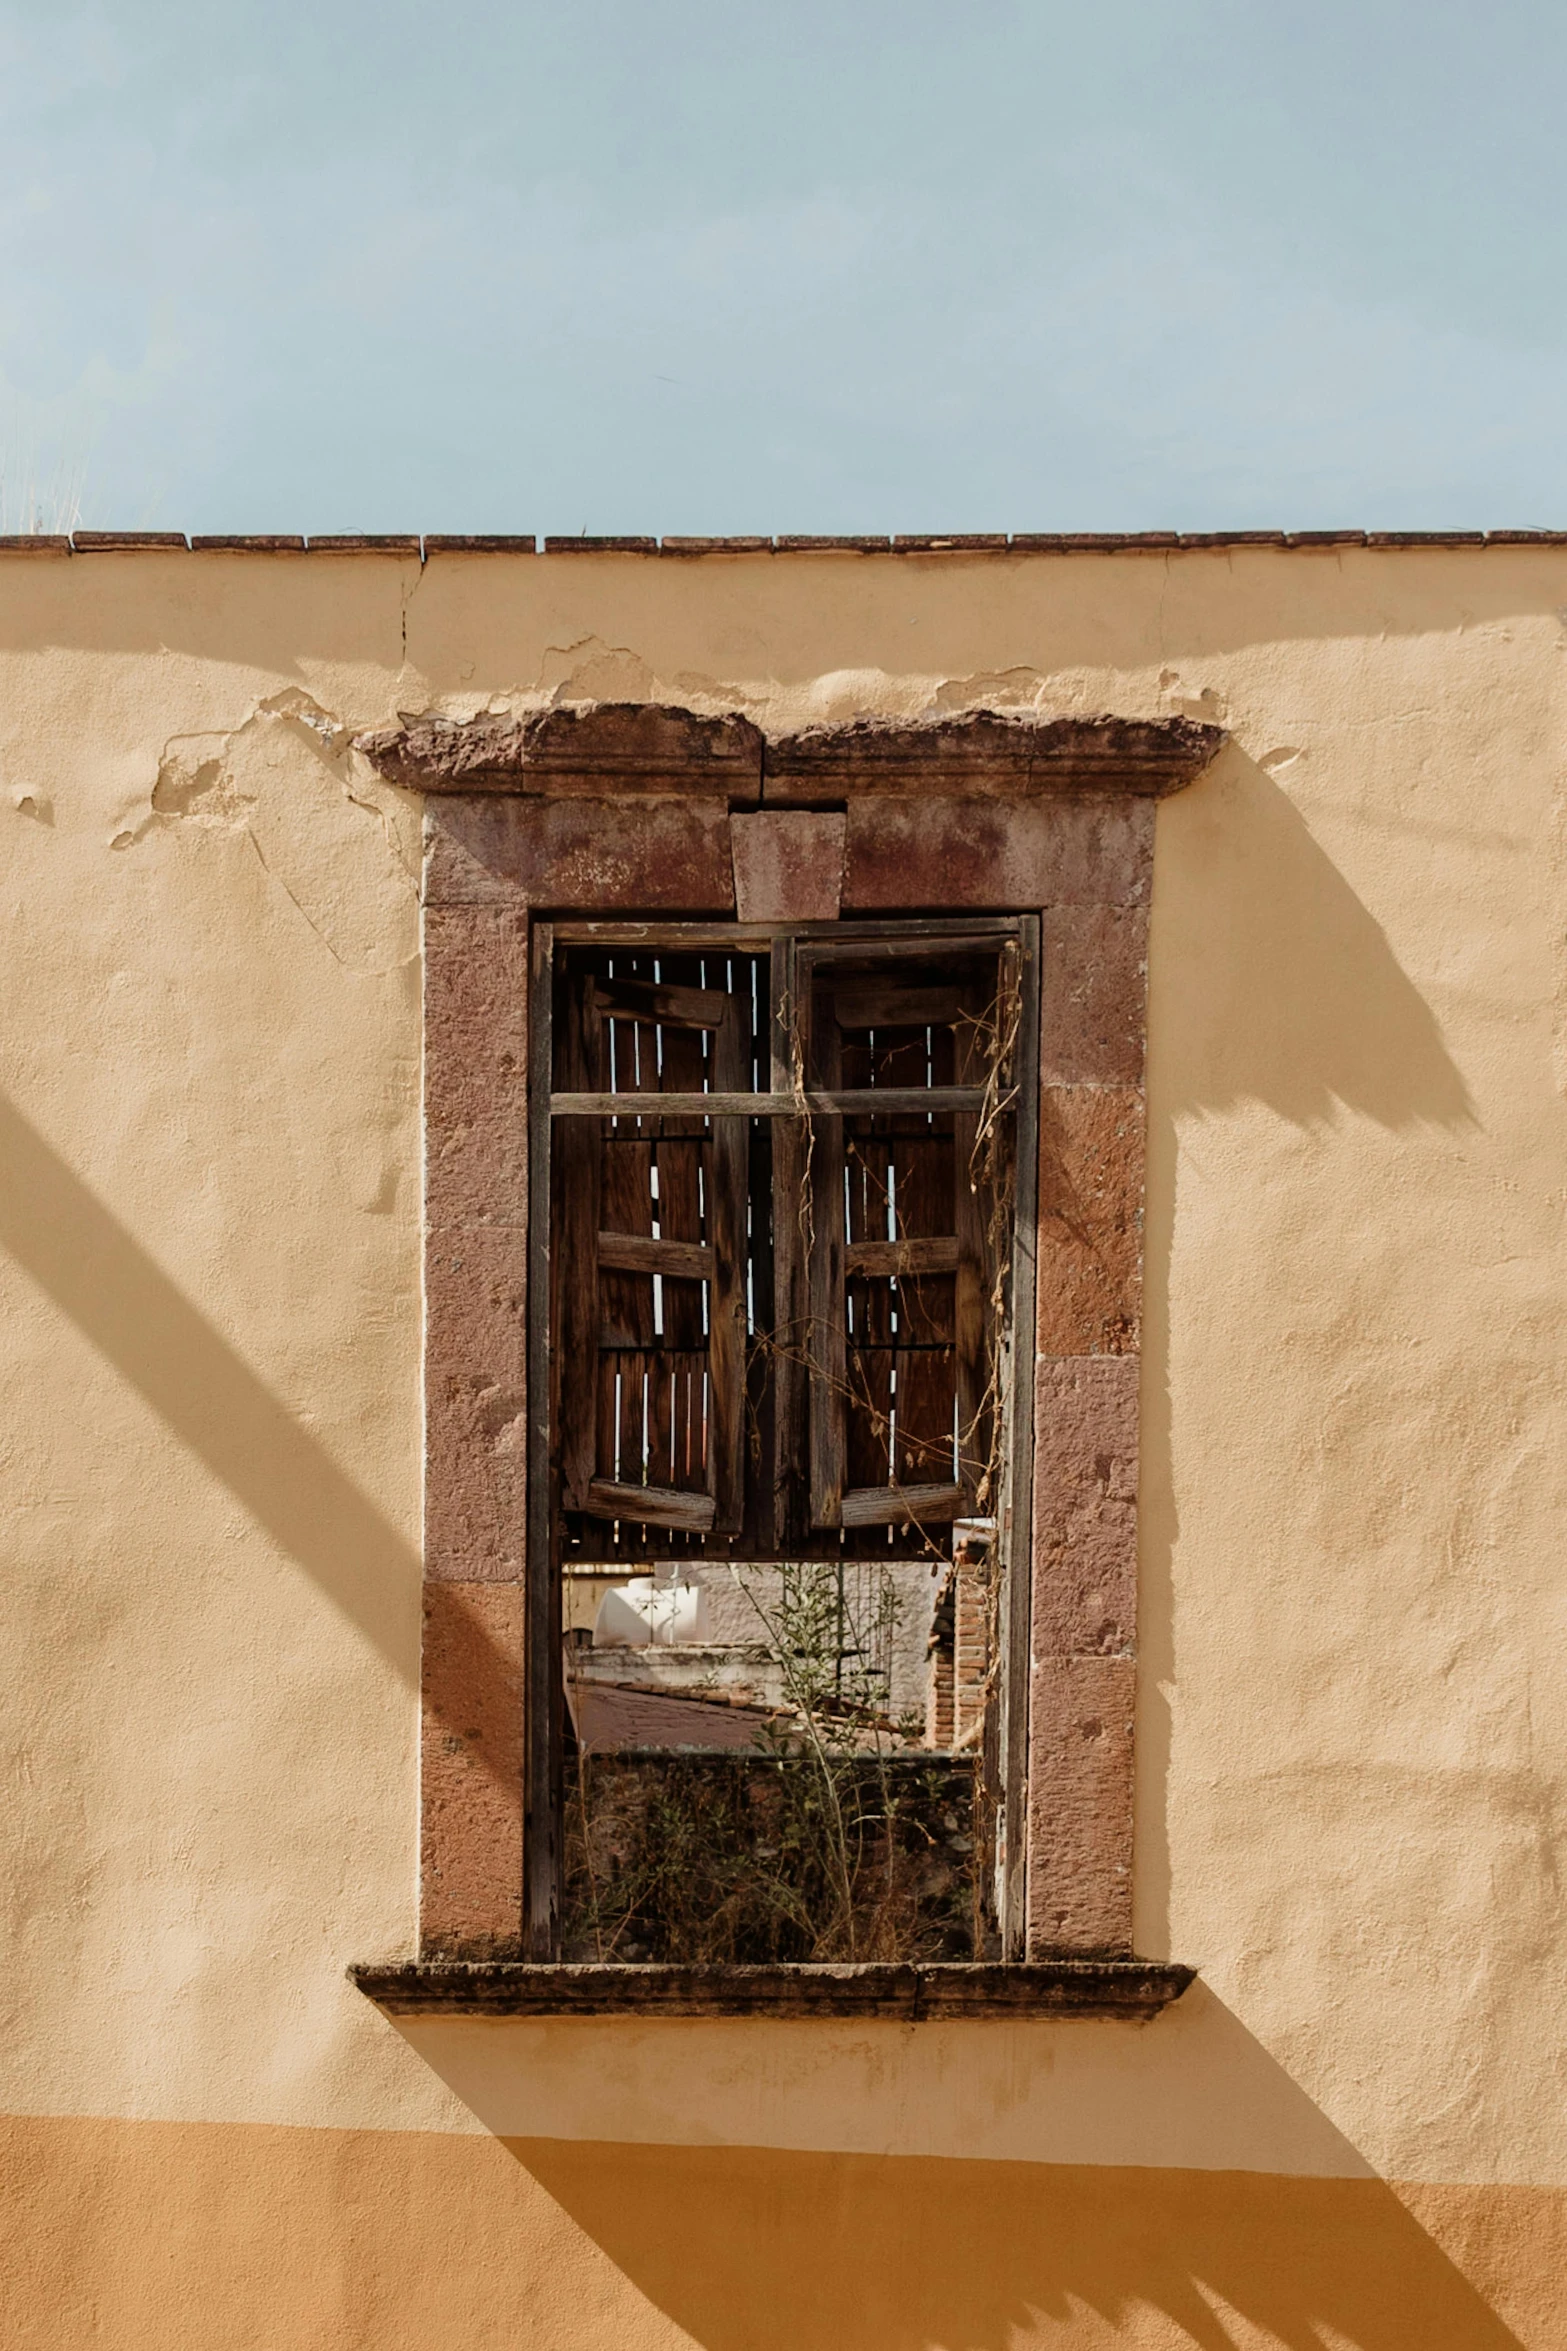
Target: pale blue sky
876, 265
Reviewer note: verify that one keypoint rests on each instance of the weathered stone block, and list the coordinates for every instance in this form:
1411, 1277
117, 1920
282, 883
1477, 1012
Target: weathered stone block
948, 855
1089, 1264
475, 1065
656, 856
1093, 995
1080, 1805
1085, 1506
788, 865
471, 1771
475, 1388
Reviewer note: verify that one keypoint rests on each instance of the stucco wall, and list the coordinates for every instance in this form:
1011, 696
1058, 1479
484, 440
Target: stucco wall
1352, 1761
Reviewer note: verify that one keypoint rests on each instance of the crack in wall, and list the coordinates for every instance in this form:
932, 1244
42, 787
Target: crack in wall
288, 779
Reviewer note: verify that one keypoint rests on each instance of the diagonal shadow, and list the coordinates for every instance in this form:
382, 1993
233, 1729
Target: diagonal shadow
1167, 2184
757, 2249
99, 1275
1272, 984
1272, 981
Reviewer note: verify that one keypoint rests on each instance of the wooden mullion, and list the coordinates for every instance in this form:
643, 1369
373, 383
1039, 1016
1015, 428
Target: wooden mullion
740, 1102
1015, 1516
726, 1222
970, 1306
828, 1318
790, 1303
891, 936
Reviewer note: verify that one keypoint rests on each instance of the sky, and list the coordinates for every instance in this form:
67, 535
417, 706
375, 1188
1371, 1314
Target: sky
866, 266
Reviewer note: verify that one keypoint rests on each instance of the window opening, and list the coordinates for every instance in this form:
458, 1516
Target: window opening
781, 1184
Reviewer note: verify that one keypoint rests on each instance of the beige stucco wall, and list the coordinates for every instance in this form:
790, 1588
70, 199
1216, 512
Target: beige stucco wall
1352, 1763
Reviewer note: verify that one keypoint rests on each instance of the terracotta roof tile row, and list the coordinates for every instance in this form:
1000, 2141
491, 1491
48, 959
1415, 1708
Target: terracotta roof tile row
415, 548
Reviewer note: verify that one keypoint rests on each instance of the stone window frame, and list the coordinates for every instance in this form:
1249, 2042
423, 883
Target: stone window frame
645, 811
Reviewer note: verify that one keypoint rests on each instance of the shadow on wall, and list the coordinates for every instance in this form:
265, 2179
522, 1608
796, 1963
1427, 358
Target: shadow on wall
1245, 2207
754, 2250
121, 1300
1270, 981
1193, 2088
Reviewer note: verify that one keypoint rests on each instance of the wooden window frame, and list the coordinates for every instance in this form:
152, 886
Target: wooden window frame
644, 814
805, 946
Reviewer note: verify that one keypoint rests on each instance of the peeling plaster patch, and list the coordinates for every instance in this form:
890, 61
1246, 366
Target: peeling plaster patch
354, 884
597, 673
1206, 703
591, 671
343, 845
37, 805
1285, 755
191, 783
1001, 689
843, 695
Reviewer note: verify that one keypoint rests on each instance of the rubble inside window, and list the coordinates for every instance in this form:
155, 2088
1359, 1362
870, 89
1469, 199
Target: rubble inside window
771, 1600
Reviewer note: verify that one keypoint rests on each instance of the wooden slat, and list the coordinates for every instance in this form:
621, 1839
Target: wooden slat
680, 1168
1016, 1499
644, 1253
877, 1506
971, 1301
922, 1192
828, 1340
626, 1214
900, 1061
606, 1420
660, 1000
927, 1253
879, 1004
788, 1309
734, 1103
659, 1506
868, 1314
726, 1223
924, 1448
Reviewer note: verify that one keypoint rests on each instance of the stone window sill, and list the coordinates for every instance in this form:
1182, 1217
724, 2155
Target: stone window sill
1135, 1988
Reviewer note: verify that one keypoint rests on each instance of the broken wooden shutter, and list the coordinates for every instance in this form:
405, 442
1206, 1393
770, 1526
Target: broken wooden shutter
899, 1408
651, 1225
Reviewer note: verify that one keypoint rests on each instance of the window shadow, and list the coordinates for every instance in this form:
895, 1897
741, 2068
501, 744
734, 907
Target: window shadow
99, 1275
1167, 2183
751, 2249
1270, 983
